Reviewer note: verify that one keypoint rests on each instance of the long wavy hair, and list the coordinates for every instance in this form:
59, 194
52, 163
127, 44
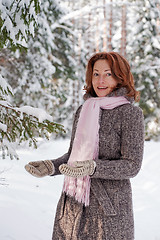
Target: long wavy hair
120, 69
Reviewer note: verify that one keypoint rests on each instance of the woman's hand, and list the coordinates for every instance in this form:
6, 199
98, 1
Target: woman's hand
79, 169
40, 168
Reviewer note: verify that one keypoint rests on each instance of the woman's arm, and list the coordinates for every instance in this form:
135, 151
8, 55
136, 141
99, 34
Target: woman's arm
132, 142
63, 159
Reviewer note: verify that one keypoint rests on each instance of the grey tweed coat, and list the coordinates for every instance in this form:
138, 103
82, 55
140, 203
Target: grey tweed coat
110, 213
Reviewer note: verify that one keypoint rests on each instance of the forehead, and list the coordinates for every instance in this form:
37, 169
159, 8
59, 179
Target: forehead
101, 65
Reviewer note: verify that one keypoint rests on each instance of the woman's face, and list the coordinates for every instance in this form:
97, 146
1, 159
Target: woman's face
102, 79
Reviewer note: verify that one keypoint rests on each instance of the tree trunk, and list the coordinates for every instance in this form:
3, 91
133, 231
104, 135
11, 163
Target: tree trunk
123, 32
97, 28
105, 27
158, 21
79, 67
110, 27
74, 89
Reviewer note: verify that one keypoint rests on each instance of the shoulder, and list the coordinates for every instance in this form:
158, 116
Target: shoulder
131, 115
124, 111
130, 109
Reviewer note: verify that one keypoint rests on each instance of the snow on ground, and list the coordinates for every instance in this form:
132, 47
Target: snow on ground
28, 204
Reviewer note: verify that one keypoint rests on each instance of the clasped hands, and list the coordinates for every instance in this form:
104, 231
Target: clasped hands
46, 168
78, 169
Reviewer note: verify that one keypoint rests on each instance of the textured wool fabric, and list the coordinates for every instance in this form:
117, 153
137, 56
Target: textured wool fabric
86, 143
80, 169
110, 213
40, 168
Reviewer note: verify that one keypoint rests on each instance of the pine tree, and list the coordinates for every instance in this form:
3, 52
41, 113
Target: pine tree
47, 69
19, 123
144, 54
17, 22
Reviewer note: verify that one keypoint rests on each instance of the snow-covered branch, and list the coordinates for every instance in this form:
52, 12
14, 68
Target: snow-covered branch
18, 21
5, 88
24, 123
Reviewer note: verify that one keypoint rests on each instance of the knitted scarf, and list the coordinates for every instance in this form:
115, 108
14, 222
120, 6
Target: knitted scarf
86, 143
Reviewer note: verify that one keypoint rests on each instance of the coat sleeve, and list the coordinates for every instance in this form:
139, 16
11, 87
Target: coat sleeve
63, 159
132, 143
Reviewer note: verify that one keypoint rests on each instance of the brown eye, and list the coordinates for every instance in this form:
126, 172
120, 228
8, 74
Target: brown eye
95, 74
108, 74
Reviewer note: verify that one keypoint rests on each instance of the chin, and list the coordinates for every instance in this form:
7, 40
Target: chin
102, 95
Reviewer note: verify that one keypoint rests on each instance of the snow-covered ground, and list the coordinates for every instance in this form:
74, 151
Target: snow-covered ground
28, 204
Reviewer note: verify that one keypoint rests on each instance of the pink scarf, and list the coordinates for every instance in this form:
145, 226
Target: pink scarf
86, 143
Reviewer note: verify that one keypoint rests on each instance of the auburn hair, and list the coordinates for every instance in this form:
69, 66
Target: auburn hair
120, 70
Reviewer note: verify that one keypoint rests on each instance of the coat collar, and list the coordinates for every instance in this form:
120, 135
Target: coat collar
116, 93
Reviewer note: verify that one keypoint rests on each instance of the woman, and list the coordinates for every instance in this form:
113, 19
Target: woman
106, 150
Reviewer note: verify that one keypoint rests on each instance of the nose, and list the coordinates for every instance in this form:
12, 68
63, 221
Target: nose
101, 79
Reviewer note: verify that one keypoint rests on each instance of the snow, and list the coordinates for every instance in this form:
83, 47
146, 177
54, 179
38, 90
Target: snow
28, 204
20, 26
10, 146
156, 43
3, 127
5, 104
36, 112
146, 191
39, 113
4, 85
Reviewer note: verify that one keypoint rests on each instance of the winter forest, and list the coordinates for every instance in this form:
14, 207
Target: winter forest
44, 48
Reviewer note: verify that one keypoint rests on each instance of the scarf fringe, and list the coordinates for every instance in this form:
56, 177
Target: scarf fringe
78, 188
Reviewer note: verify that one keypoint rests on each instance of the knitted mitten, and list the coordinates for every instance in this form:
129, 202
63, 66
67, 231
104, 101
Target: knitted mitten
40, 168
79, 169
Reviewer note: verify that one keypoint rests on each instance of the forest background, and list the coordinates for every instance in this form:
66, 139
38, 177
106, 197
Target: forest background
44, 48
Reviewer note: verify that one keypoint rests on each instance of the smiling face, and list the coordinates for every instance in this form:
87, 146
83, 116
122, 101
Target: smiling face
102, 79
